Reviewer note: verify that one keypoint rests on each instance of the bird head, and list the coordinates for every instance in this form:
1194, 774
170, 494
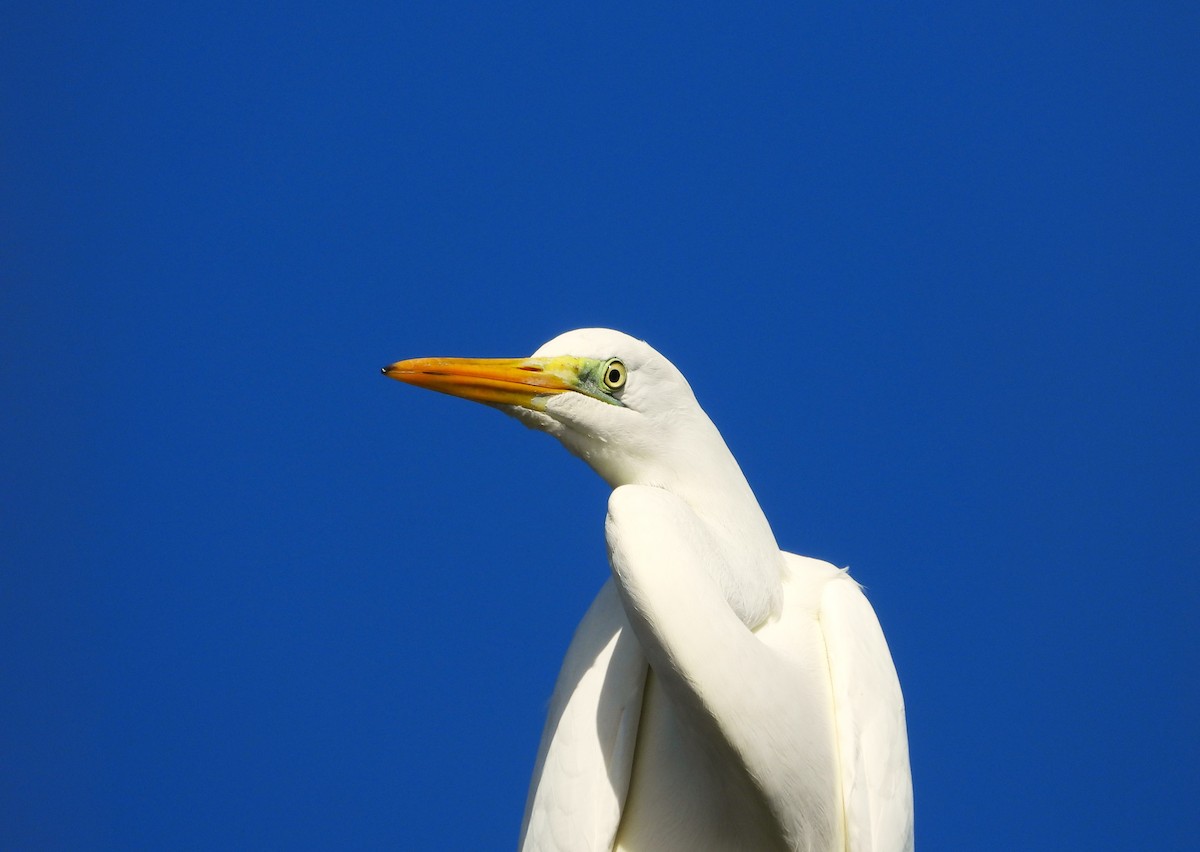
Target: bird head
609, 398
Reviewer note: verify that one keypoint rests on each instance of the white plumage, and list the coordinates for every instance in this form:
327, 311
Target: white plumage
719, 694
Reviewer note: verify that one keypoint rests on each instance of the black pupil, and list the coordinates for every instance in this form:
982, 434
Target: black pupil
614, 376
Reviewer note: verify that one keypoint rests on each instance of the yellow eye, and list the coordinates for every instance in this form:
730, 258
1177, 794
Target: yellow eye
614, 374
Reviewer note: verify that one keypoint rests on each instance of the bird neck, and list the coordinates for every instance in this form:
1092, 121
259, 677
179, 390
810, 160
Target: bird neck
705, 475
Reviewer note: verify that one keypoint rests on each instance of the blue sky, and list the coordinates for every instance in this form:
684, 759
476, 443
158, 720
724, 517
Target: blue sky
932, 271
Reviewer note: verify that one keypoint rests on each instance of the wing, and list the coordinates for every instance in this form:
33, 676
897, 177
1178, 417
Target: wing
583, 765
869, 712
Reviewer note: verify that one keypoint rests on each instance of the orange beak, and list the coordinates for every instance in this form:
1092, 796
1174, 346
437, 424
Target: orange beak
502, 381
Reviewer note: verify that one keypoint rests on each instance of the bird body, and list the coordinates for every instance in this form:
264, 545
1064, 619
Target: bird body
719, 694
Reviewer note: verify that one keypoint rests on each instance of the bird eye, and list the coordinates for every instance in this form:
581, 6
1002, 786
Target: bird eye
614, 374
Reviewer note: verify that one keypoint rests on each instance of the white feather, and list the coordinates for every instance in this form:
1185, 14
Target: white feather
719, 694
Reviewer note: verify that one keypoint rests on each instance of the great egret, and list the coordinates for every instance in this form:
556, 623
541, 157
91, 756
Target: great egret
719, 693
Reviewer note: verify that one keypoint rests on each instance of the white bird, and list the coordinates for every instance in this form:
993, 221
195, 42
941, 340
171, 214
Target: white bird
719, 694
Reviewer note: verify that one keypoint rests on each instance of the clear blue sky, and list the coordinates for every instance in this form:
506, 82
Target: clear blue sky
934, 271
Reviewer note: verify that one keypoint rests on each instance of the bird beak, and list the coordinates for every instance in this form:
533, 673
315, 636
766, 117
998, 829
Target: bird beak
497, 381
